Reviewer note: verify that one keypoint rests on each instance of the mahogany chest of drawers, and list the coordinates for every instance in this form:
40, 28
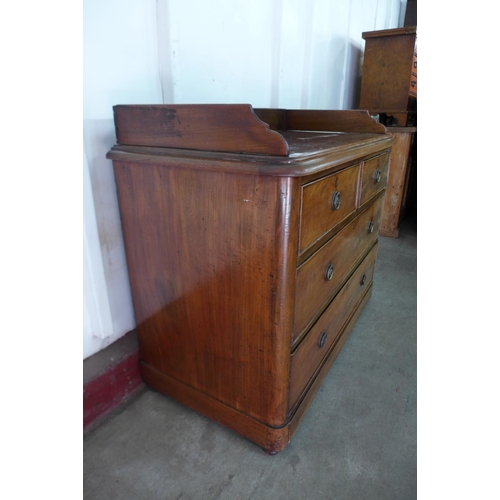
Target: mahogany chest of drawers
389, 76
251, 241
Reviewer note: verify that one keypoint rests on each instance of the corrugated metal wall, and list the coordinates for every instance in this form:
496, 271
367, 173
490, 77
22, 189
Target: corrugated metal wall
281, 53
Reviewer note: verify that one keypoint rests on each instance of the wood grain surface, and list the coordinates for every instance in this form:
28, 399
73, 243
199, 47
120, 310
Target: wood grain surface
308, 355
397, 181
343, 251
317, 214
211, 127
207, 257
387, 67
370, 184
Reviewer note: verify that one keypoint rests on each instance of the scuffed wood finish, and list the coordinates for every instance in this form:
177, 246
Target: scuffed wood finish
399, 169
211, 127
317, 214
343, 252
324, 333
224, 300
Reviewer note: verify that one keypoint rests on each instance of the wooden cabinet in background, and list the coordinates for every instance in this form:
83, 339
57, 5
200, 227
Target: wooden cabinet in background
251, 238
389, 75
400, 169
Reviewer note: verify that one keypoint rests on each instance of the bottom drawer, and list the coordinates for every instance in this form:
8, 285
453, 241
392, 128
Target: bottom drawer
308, 356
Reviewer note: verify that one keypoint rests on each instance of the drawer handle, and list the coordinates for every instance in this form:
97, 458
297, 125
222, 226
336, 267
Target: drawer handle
414, 64
378, 175
322, 340
363, 279
336, 200
329, 272
413, 83
370, 227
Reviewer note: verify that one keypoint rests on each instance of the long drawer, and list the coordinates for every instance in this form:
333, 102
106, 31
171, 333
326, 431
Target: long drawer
320, 276
308, 356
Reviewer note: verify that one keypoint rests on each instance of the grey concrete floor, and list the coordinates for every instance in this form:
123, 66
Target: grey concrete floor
357, 441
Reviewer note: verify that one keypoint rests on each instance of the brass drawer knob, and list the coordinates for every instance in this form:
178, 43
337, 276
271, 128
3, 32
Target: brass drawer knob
377, 175
363, 279
329, 272
336, 200
322, 340
370, 227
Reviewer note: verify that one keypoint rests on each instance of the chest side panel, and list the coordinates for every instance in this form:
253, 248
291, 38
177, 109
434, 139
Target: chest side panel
208, 274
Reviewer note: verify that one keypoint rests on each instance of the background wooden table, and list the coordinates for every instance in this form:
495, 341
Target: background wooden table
403, 160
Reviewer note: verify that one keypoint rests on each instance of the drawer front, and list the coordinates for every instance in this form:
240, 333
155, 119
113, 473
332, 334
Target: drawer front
319, 277
308, 356
325, 203
374, 177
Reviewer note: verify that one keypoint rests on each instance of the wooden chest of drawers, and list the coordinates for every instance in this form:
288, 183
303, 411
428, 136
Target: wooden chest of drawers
251, 240
389, 76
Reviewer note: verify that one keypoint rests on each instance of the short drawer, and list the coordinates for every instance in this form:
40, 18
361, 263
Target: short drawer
308, 356
325, 203
320, 276
374, 177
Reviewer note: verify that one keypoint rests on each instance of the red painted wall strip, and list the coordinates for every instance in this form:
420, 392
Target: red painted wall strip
110, 389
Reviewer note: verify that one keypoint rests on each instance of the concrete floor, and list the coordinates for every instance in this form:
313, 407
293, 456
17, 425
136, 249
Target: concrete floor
357, 441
